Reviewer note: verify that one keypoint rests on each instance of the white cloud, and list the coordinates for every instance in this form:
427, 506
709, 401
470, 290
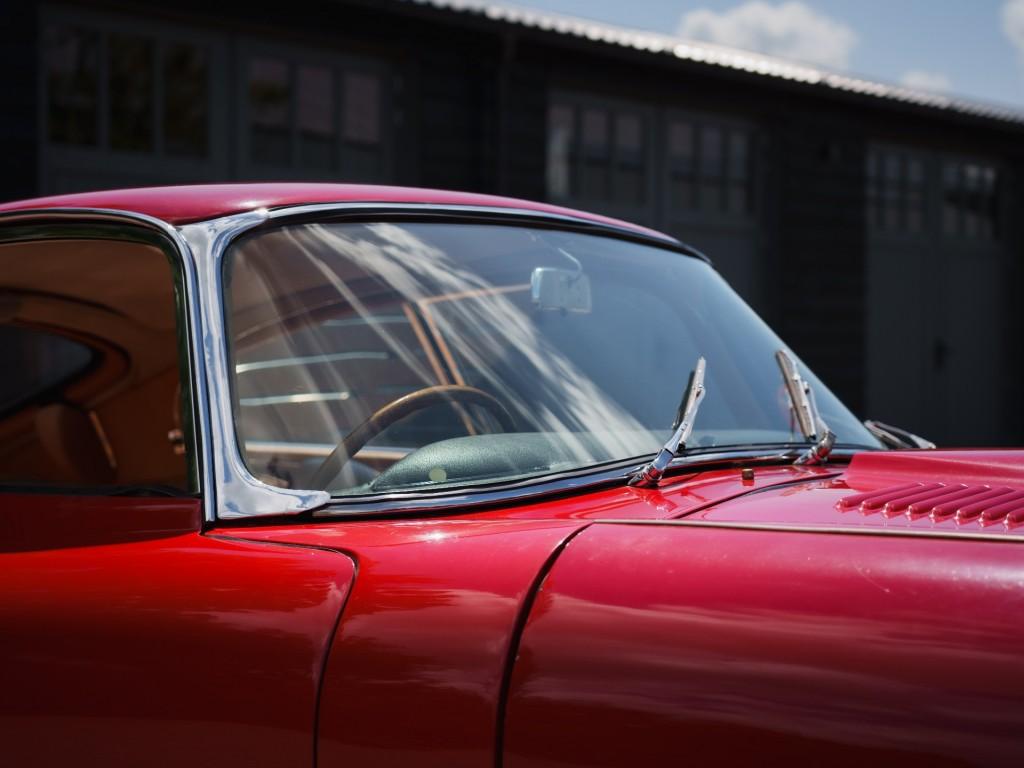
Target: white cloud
790, 29
1013, 25
924, 80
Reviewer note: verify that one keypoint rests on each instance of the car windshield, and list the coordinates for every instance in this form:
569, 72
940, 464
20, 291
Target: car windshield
399, 356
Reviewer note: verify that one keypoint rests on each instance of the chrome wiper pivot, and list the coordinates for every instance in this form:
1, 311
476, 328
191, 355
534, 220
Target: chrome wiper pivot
650, 474
805, 410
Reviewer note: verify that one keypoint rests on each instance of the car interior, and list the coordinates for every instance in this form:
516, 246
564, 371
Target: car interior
91, 396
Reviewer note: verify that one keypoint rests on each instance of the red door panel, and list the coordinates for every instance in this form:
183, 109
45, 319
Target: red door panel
667, 644
415, 671
158, 646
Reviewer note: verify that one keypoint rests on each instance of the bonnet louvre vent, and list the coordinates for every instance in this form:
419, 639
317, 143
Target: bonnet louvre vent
981, 504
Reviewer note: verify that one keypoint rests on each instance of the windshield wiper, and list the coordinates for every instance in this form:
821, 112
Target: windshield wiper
649, 474
805, 409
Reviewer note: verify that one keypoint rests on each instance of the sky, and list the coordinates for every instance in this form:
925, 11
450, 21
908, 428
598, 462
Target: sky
970, 48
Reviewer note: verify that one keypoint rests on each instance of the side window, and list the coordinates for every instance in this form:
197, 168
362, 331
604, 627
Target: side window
91, 399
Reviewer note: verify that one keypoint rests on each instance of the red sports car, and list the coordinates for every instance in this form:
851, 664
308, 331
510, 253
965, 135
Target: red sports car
300, 475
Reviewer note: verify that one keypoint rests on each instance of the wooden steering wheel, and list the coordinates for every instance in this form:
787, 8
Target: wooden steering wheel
388, 414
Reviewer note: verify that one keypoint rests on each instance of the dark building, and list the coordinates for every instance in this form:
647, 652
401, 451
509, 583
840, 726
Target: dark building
878, 229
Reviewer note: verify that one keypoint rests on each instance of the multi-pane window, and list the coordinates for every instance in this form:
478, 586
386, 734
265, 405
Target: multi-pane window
896, 186
598, 153
710, 168
970, 199
602, 152
150, 95
321, 116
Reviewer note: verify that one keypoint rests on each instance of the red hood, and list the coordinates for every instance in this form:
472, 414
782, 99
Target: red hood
928, 491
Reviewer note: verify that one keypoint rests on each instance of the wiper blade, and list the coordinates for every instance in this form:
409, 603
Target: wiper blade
896, 438
649, 475
805, 409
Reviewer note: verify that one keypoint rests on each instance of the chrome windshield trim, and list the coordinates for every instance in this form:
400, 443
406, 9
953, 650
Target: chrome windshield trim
237, 493
195, 361
538, 488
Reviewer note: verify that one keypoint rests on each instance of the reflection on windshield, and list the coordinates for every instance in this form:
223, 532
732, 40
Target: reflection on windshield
332, 322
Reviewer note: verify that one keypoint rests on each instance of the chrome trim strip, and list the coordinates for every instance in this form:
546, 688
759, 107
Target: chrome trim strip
834, 529
538, 488
323, 450
195, 362
286, 362
299, 399
239, 494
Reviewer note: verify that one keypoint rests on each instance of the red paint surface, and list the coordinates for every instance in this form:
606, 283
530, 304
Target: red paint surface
415, 670
678, 495
673, 645
185, 204
157, 647
416, 667
871, 470
41, 521
129, 637
817, 503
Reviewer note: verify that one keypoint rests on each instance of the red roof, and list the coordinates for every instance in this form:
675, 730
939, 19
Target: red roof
182, 205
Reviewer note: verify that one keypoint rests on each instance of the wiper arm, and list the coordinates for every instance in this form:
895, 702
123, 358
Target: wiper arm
805, 409
649, 475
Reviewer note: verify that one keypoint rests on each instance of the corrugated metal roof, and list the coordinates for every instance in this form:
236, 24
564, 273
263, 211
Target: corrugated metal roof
716, 55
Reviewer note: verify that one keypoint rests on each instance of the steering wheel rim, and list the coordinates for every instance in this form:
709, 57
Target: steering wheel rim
397, 409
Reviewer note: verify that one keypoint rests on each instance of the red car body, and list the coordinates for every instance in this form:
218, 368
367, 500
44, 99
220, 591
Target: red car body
842, 614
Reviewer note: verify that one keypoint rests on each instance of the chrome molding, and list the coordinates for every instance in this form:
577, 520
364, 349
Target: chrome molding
195, 362
538, 488
238, 494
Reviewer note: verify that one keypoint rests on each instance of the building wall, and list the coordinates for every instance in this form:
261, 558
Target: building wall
19, 130
462, 103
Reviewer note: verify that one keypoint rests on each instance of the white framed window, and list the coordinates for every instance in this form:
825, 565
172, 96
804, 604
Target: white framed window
312, 114
970, 199
915, 194
709, 167
114, 88
897, 182
599, 153
659, 166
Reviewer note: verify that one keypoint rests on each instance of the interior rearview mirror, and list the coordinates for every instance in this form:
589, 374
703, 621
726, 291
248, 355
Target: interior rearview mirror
560, 289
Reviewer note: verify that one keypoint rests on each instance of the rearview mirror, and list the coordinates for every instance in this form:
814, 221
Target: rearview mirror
560, 289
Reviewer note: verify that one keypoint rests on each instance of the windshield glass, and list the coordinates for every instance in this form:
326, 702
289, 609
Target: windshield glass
403, 356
